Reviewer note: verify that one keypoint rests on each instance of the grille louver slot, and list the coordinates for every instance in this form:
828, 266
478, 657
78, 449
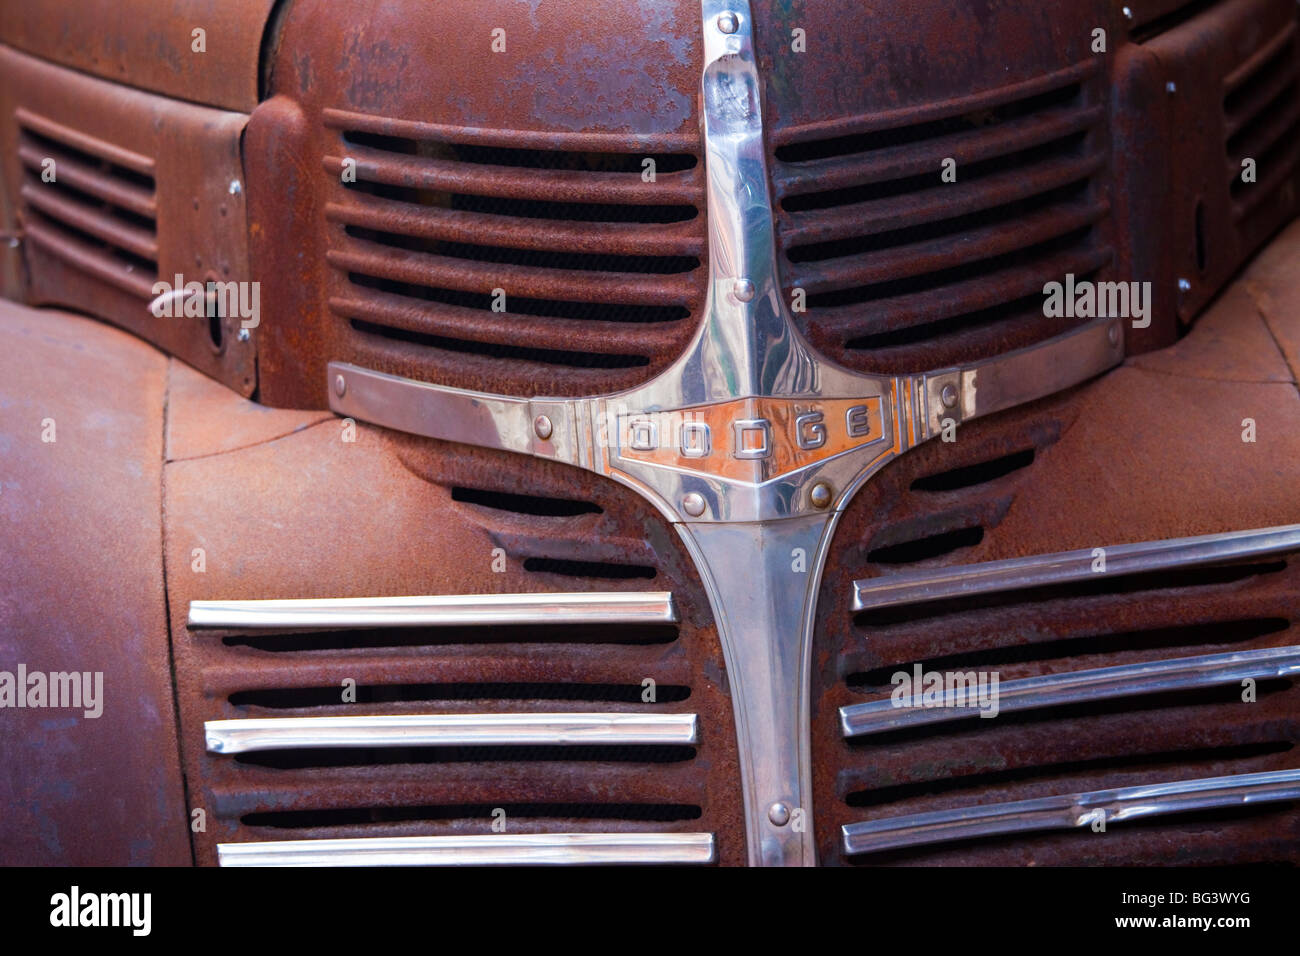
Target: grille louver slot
1261, 110
601, 269
98, 214
902, 270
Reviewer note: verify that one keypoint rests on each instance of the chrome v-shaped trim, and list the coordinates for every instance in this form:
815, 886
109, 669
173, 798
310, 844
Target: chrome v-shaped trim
751, 444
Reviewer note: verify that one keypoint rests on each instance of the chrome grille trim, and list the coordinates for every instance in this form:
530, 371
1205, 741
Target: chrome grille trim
478, 850
1069, 811
614, 607
1066, 566
450, 730
1074, 687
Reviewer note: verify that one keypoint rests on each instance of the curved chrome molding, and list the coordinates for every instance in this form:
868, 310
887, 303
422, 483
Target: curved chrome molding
1070, 811
572, 608
1063, 567
529, 849
1077, 687
751, 443
450, 730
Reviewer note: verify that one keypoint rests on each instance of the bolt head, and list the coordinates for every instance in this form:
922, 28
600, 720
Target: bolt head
779, 814
236, 187
244, 335
743, 290
948, 396
1184, 285
821, 495
340, 385
693, 504
542, 426
1128, 13
1171, 87
728, 22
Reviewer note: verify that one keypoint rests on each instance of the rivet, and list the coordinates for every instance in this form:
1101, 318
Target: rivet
1128, 13
728, 22
1184, 286
542, 426
235, 187
779, 814
948, 396
1171, 87
244, 335
340, 385
693, 504
821, 495
743, 290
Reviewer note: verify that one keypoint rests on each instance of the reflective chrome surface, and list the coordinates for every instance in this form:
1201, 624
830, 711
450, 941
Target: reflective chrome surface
449, 730
613, 607
527, 849
751, 442
1062, 567
1076, 687
1068, 811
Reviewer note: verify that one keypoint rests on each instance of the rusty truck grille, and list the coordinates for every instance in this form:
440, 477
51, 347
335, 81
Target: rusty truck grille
533, 265
94, 212
887, 780
1261, 108
560, 536
900, 270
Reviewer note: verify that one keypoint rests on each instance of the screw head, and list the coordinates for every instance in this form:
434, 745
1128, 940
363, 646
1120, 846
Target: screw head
779, 814
728, 22
693, 504
236, 187
1171, 87
1184, 285
743, 290
1128, 14
821, 495
948, 396
542, 426
340, 385
244, 335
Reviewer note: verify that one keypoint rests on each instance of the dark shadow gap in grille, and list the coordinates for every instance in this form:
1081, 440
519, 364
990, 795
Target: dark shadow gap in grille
531, 208
1181, 579
373, 638
126, 258
56, 147
931, 546
967, 321
1195, 635
1240, 140
1275, 152
977, 474
929, 281
294, 697
971, 172
589, 569
1282, 59
1004, 215
353, 816
389, 756
606, 360
525, 504
95, 204
531, 258
522, 305
970, 725
904, 135
1174, 18
523, 158
994, 778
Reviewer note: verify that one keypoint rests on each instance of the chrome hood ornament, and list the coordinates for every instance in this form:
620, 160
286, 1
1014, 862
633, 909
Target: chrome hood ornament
751, 444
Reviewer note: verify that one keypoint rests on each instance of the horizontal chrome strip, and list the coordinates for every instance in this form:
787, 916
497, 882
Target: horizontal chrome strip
1068, 811
1065, 566
1074, 687
449, 730
442, 610
530, 849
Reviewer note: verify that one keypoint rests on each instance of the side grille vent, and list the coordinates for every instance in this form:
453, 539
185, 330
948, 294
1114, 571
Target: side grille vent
97, 215
902, 270
1261, 109
539, 265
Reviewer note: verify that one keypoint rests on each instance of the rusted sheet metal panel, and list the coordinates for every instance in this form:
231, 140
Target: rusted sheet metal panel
1153, 450
161, 181
149, 44
310, 515
83, 592
477, 170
